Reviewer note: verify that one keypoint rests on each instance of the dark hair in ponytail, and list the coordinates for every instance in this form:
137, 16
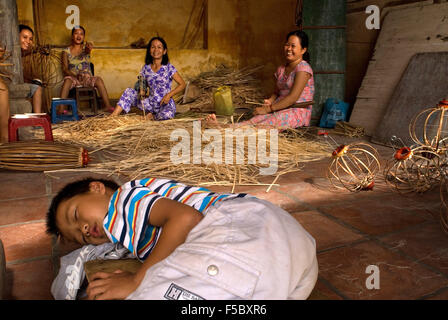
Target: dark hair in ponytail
303, 37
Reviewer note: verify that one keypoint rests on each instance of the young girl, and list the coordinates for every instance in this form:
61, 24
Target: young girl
76, 67
294, 84
26, 38
158, 74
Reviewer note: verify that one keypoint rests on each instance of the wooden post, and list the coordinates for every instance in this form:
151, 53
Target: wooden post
9, 37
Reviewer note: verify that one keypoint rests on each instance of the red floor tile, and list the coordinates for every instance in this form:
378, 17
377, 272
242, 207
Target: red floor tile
376, 217
14, 211
25, 241
400, 278
327, 233
322, 292
29, 281
428, 244
17, 184
442, 295
314, 194
59, 180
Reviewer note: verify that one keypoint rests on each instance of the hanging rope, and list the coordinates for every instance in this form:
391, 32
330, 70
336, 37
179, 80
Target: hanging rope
299, 14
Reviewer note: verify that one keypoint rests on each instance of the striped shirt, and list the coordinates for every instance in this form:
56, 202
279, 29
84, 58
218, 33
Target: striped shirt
127, 220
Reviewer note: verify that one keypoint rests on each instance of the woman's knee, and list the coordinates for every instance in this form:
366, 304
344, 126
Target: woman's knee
165, 115
99, 82
67, 82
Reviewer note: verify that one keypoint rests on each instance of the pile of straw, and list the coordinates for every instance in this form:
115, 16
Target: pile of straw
128, 145
243, 83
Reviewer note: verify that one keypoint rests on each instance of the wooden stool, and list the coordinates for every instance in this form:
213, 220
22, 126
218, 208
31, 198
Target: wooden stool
87, 94
17, 121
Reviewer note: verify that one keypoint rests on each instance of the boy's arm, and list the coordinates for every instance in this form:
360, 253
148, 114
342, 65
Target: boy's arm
176, 220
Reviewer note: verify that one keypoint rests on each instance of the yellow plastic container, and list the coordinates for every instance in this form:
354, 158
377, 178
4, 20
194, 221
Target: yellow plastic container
222, 98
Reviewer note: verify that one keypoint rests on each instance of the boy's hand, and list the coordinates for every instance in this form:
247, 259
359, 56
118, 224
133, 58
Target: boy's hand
111, 286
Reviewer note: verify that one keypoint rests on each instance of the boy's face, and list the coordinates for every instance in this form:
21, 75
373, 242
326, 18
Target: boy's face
80, 218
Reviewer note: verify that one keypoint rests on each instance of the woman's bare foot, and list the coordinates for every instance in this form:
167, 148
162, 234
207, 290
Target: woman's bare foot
211, 121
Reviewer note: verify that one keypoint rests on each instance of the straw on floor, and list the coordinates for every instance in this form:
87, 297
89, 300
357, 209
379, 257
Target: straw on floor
128, 145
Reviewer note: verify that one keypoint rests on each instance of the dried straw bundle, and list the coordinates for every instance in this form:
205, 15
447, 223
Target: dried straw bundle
243, 83
139, 148
41, 156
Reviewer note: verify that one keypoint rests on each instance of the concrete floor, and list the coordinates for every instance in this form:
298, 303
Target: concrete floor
399, 234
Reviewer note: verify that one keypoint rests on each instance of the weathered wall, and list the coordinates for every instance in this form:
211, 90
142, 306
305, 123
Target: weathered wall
238, 33
361, 41
405, 32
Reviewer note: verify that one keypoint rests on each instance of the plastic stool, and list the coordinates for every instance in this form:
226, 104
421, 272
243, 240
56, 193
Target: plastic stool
55, 117
17, 121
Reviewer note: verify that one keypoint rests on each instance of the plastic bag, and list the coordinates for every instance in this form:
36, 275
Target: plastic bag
222, 98
334, 111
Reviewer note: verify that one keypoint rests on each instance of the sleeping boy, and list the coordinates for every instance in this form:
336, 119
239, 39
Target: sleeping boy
193, 243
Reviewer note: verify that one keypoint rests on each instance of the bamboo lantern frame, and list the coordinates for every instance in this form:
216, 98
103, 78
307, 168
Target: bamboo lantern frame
354, 167
439, 141
414, 170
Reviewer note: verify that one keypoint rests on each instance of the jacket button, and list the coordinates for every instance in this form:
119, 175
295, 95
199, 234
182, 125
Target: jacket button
212, 270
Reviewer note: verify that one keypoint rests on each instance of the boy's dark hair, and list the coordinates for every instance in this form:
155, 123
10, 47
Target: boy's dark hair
25, 27
303, 37
69, 191
148, 58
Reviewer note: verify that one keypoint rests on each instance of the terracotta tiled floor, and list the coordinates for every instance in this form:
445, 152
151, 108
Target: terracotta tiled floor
400, 235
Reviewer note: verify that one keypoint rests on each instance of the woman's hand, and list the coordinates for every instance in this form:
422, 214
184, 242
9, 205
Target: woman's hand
149, 116
83, 76
264, 109
165, 99
88, 48
112, 286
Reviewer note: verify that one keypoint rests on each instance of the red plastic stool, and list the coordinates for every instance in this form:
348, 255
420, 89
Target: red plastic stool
17, 121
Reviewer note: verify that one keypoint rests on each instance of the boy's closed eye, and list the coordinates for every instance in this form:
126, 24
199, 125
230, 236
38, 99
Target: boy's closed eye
82, 240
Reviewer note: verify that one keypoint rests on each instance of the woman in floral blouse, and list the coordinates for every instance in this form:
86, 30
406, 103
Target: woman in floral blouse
158, 74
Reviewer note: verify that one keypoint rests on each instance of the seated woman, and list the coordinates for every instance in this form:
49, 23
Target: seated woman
294, 84
158, 74
76, 67
26, 37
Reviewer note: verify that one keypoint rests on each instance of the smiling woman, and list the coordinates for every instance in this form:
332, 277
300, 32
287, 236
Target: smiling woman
157, 75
